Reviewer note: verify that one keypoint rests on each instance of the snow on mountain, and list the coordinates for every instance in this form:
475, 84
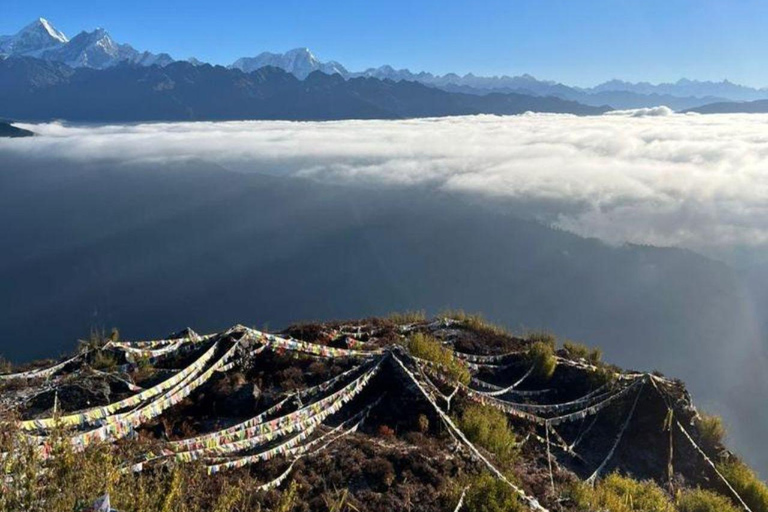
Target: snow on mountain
299, 61
32, 40
95, 49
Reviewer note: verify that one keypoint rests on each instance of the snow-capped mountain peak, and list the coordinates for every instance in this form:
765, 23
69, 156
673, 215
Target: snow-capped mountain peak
32, 40
299, 61
94, 49
56, 34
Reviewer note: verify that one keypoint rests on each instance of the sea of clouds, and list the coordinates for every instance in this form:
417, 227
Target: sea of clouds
644, 176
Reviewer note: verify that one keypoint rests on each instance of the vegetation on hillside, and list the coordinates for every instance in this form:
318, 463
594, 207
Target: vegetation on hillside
711, 430
618, 493
404, 457
489, 428
475, 322
542, 356
753, 491
581, 351
488, 494
71, 481
700, 500
428, 348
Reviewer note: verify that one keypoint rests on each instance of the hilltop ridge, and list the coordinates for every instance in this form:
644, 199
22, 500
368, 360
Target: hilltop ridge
396, 413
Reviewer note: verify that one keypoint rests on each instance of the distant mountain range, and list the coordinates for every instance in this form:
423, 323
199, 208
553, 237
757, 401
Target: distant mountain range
97, 50
733, 107
36, 89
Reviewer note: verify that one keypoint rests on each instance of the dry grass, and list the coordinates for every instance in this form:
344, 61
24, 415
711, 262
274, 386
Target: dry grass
581, 351
407, 317
474, 321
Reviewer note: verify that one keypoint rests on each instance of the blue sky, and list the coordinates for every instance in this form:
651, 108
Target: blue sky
577, 42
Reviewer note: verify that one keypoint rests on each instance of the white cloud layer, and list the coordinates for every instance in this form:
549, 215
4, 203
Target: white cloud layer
645, 176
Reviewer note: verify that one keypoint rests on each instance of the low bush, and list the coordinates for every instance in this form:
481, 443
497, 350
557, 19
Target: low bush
751, 489
379, 472
488, 427
144, 369
486, 493
426, 347
103, 360
547, 338
700, 500
617, 493
711, 430
580, 351
542, 356
385, 432
604, 374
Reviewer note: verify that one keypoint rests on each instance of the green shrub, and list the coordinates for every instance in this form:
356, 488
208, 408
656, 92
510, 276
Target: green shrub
489, 494
700, 500
621, 494
751, 489
488, 427
580, 351
711, 430
603, 375
426, 347
544, 337
542, 356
